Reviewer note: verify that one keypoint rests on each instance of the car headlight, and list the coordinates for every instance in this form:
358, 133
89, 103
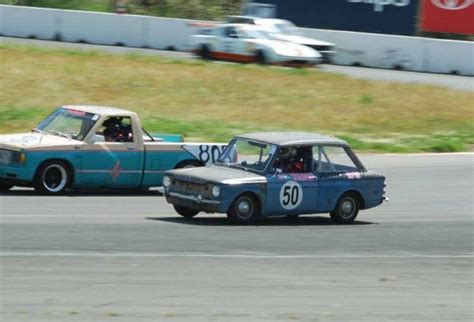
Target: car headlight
12, 157
216, 191
166, 181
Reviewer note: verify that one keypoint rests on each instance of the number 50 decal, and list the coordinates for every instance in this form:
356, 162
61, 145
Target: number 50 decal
291, 195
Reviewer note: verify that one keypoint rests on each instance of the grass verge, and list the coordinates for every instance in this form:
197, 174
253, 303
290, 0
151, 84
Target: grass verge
209, 101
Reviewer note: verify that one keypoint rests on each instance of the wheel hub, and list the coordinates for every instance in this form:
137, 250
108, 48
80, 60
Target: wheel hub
347, 208
244, 207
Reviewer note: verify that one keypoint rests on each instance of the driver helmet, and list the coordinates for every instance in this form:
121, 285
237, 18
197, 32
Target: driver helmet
113, 122
287, 153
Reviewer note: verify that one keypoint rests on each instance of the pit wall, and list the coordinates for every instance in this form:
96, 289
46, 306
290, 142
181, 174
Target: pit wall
353, 48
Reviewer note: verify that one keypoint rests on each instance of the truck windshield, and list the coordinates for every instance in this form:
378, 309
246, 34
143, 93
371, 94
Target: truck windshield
69, 123
247, 155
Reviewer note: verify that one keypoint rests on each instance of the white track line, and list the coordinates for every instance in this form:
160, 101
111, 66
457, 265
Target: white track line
229, 256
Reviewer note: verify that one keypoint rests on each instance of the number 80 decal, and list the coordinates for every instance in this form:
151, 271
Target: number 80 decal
291, 195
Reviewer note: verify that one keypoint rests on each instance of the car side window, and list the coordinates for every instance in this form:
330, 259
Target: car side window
115, 129
294, 159
230, 32
333, 159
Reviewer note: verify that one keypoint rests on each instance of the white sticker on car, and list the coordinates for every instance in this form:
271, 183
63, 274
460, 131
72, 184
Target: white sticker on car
207, 153
291, 195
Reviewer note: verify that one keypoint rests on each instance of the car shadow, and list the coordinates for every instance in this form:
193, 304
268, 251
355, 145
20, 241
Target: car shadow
85, 193
271, 221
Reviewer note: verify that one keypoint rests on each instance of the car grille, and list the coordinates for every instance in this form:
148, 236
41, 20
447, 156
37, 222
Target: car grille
8, 157
190, 188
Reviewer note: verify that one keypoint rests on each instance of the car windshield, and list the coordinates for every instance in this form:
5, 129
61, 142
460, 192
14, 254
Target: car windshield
68, 123
286, 28
248, 155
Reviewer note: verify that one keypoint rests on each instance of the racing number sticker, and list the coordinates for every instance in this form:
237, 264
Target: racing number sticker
291, 195
209, 153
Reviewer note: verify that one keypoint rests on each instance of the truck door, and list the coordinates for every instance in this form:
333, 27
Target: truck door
114, 156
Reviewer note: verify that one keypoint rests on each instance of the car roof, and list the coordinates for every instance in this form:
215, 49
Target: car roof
293, 138
242, 25
101, 110
272, 20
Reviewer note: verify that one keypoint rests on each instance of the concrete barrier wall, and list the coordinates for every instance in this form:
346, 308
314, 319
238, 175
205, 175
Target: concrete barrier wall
372, 50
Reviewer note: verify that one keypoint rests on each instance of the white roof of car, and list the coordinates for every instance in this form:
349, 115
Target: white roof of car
293, 138
259, 19
242, 26
101, 110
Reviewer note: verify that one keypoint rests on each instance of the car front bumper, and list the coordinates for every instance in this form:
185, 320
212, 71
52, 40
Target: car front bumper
298, 62
13, 174
190, 201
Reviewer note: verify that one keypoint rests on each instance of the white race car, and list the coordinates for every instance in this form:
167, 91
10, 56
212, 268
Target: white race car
247, 43
281, 29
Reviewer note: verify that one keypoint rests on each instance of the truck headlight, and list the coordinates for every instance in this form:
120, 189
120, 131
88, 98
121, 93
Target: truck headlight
216, 191
12, 157
22, 158
166, 181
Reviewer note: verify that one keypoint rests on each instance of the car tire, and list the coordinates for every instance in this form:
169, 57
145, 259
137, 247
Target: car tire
53, 178
5, 187
347, 209
260, 58
205, 53
186, 212
189, 164
244, 209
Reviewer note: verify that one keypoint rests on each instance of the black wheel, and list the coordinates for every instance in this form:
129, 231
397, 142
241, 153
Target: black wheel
185, 211
205, 52
189, 164
53, 177
347, 209
5, 187
244, 209
260, 58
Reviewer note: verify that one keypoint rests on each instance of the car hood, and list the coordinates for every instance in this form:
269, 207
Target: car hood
34, 140
217, 174
290, 48
302, 40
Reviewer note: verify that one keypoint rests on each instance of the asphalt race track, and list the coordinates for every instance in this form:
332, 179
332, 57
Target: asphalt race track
105, 256
464, 83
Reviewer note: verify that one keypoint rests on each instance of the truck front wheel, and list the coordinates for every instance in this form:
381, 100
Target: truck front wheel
53, 177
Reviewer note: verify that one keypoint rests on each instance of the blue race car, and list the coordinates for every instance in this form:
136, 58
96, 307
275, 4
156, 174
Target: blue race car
278, 174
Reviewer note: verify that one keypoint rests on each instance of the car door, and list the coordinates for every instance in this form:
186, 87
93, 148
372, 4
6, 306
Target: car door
333, 165
292, 191
112, 163
232, 45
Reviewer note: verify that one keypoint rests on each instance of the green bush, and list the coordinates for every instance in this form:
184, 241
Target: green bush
191, 9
